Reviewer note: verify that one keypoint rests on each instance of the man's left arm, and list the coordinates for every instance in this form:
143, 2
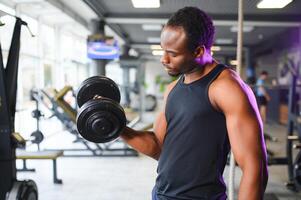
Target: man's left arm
244, 126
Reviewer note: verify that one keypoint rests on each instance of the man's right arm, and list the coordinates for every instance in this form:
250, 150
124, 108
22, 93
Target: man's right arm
149, 142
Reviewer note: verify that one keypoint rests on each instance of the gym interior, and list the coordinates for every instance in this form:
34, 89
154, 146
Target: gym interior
49, 51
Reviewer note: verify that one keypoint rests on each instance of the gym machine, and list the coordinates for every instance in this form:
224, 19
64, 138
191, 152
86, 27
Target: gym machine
294, 123
10, 187
293, 126
140, 101
36, 136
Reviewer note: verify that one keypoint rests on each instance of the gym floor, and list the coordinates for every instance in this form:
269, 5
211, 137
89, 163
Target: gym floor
126, 178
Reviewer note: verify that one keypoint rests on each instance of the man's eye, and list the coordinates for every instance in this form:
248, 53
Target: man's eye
173, 54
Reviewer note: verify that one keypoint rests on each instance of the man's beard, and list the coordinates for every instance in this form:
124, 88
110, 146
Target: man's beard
188, 70
193, 67
173, 74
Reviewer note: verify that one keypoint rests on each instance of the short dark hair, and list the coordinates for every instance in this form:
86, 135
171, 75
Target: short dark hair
197, 25
264, 73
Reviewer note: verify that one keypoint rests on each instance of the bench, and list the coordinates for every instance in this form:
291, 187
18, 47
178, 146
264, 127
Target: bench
36, 155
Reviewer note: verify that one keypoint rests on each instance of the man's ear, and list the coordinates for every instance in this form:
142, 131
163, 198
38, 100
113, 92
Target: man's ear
199, 51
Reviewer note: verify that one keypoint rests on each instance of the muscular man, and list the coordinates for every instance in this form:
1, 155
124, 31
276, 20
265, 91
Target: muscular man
207, 111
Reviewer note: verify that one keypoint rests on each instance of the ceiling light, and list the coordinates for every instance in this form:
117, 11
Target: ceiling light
152, 27
224, 41
273, 4
216, 48
245, 29
233, 62
153, 39
157, 52
156, 47
146, 3
133, 52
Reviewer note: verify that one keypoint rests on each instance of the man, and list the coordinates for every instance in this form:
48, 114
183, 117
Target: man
208, 108
262, 96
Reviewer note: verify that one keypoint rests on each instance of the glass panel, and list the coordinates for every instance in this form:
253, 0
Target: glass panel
48, 75
48, 40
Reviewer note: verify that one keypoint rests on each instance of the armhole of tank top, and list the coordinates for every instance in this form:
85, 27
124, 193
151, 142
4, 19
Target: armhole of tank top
207, 92
178, 82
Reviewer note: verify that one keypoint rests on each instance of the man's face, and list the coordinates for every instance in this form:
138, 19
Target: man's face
177, 59
264, 76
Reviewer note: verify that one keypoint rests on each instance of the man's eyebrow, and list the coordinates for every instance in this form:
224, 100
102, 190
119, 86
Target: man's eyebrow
170, 51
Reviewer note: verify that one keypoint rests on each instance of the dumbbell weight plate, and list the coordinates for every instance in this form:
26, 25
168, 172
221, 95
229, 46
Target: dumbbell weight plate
100, 120
97, 85
37, 136
25, 190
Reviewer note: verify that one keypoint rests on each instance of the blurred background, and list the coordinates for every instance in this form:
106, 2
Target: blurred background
65, 42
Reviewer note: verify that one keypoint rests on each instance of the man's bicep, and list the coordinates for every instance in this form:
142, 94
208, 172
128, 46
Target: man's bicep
245, 136
243, 121
160, 127
245, 132
160, 124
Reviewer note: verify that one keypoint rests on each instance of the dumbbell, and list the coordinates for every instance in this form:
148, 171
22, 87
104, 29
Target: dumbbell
100, 118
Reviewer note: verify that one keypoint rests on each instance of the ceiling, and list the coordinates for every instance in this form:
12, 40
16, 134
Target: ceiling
54, 13
127, 21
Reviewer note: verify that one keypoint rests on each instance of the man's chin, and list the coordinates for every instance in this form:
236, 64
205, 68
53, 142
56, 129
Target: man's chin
173, 74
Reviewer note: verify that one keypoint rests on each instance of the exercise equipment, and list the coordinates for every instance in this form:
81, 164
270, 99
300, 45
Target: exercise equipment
293, 142
100, 118
26, 189
293, 124
10, 188
238, 69
40, 155
297, 170
36, 136
54, 101
150, 102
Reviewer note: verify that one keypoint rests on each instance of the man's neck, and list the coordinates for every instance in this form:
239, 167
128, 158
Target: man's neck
199, 72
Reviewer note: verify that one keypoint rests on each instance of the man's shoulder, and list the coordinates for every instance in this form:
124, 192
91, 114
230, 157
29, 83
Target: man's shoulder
228, 81
230, 91
169, 87
227, 76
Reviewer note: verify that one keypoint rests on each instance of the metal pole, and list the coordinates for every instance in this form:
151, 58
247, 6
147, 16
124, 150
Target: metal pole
99, 65
239, 37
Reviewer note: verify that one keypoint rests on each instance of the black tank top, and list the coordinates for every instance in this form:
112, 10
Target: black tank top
196, 144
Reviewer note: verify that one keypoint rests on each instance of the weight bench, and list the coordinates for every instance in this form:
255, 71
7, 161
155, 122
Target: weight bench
51, 155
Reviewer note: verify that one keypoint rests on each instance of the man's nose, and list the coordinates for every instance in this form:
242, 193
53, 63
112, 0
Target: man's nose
164, 59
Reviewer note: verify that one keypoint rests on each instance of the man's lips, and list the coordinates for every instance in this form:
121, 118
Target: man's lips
167, 68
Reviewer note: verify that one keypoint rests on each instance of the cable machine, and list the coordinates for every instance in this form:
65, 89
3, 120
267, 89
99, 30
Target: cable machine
10, 187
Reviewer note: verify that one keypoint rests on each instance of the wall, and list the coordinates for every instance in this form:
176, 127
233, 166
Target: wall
271, 55
153, 69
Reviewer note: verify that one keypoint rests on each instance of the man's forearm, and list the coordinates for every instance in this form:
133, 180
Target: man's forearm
253, 185
249, 190
143, 141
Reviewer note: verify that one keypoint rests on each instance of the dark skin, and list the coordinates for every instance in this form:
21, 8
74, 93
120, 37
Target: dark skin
229, 95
